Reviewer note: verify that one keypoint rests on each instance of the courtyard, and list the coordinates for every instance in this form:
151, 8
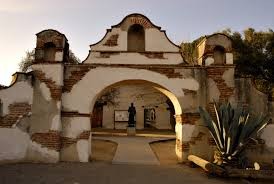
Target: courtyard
102, 169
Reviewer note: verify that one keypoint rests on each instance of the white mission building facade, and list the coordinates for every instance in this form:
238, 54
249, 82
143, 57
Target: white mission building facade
47, 115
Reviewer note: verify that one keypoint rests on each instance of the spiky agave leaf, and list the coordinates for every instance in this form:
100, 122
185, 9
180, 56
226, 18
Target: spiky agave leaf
217, 118
224, 123
233, 130
212, 127
252, 129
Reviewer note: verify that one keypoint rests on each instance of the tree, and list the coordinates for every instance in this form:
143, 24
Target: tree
27, 61
254, 53
189, 50
254, 56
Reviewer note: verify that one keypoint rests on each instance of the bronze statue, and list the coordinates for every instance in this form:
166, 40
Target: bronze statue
132, 113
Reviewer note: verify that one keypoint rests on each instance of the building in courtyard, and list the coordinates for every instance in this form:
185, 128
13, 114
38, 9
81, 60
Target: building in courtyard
47, 115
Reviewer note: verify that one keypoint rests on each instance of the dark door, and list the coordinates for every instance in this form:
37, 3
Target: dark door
97, 117
149, 118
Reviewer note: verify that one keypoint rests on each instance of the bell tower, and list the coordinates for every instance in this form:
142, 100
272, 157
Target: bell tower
51, 52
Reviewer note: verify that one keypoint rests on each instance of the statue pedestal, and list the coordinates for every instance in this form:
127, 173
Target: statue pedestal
131, 131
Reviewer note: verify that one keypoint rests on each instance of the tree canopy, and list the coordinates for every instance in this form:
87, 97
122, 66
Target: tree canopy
28, 60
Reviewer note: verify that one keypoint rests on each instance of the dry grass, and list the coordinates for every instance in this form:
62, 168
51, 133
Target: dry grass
165, 152
103, 150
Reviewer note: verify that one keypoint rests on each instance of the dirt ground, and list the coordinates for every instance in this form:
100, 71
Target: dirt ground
101, 171
103, 150
105, 173
165, 152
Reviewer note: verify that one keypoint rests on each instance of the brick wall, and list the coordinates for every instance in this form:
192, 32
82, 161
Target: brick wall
112, 40
216, 74
50, 139
55, 90
73, 75
67, 141
190, 118
16, 111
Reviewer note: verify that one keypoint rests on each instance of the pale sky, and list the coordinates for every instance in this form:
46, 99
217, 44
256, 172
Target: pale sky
85, 21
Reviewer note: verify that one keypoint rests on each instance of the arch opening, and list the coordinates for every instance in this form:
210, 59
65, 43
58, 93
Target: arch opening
219, 55
136, 38
49, 51
155, 106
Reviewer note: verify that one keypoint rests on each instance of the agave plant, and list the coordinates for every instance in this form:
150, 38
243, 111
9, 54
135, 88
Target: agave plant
233, 129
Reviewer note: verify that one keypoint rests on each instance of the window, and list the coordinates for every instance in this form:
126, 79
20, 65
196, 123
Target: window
136, 38
219, 55
49, 52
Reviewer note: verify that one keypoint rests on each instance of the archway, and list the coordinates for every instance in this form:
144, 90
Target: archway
82, 97
156, 106
133, 86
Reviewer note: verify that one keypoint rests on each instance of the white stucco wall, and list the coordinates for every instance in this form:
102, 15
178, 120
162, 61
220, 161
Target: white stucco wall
267, 135
229, 58
213, 91
52, 71
19, 92
134, 58
74, 126
209, 61
14, 144
157, 41
84, 94
59, 56
121, 42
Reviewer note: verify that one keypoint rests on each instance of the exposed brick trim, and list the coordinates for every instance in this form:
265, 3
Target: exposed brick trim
107, 54
176, 66
50, 139
141, 20
67, 141
182, 146
134, 52
79, 71
211, 111
189, 92
41, 61
190, 118
216, 74
112, 40
76, 74
153, 55
170, 73
74, 114
16, 111
84, 135
55, 90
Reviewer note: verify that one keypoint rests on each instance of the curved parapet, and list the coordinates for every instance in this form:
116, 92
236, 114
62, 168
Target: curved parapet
135, 40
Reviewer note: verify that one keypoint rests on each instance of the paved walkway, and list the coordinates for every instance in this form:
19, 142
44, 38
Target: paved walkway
133, 150
105, 173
